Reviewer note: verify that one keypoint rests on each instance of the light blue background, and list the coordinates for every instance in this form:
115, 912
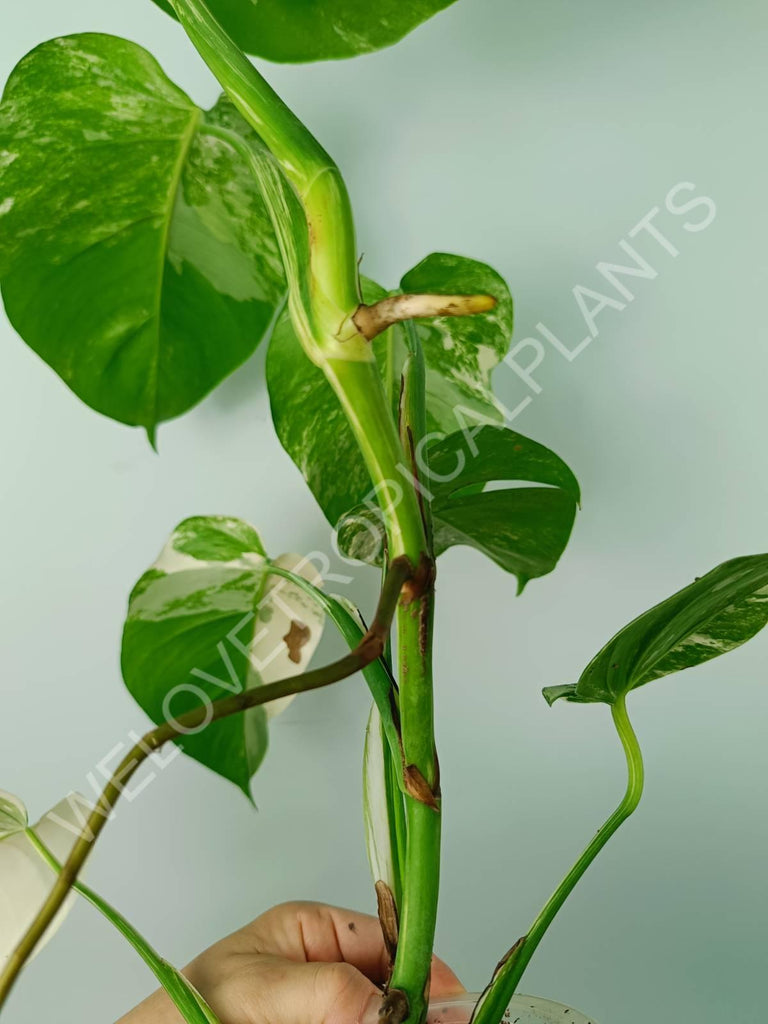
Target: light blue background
533, 136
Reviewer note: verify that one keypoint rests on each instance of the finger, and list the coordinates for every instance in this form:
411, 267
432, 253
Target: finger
313, 933
444, 981
276, 991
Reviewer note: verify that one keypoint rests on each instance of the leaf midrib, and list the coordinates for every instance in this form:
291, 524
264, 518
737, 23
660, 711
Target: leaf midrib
185, 145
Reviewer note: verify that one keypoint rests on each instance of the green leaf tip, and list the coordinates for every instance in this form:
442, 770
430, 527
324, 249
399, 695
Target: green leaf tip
564, 691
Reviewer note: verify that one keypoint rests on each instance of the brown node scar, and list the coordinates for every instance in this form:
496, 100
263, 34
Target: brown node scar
417, 787
296, 637
394, 1007
421, 582
372, 320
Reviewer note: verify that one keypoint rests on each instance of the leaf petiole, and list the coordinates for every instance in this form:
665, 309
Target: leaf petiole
184, 996
503, 985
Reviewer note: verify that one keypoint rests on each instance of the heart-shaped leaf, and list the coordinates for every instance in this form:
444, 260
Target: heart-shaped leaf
137, 257
304, 30
460, 354
714, 615
207, 621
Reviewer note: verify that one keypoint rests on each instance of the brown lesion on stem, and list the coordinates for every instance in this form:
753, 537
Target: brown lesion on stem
372, 320
370, 648
422, 582
388, 918
417, 787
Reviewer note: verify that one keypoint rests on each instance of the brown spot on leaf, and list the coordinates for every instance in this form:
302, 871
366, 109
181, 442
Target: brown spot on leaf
295, 638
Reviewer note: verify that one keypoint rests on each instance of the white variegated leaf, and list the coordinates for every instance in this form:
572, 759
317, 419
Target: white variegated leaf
25, 878
206, 621
375, 807
13, 815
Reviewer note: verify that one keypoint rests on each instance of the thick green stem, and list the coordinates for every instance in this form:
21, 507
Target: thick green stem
422, 801
507, 977
422, 806
322, 305
359, 388
303, 160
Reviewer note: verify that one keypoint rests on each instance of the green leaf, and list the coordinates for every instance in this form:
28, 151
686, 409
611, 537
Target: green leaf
305, 30
523, 529
494, 454
207, 620
136, 256
714, 615
460, 354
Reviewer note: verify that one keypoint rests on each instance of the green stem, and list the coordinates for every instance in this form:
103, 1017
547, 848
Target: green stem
303, 160
367, 651
184, 996
323, 319
359, 388
507, 977
423, 816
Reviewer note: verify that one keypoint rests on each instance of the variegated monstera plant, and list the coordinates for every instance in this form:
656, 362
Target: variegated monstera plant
146, 248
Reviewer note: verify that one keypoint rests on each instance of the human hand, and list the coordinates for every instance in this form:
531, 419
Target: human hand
300, 963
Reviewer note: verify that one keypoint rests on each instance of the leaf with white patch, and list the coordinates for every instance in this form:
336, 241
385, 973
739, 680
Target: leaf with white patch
712, 616
25, 879
137, 257
207, 620
13, 815
460, 353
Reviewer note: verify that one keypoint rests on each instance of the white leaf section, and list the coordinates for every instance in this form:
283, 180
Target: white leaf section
378, 837
26, 879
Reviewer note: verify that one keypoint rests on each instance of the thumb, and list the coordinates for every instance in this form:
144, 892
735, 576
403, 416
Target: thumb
318, 993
